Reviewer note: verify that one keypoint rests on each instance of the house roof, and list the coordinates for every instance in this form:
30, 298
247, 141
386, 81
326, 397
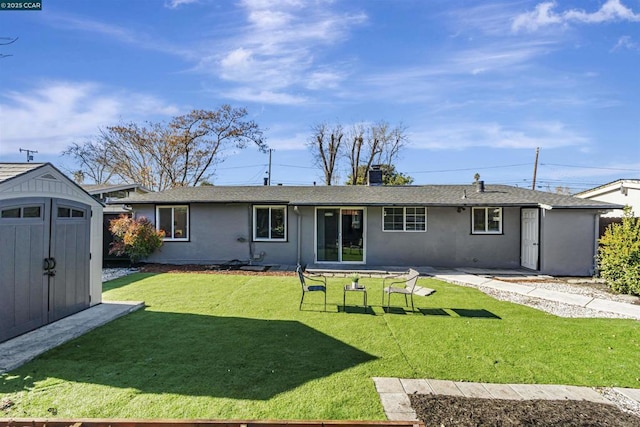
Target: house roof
13, 170
423, 195
611, 186
106, 188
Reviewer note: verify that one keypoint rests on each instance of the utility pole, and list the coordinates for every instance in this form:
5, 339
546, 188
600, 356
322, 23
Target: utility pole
535, 169
29, 154
269, 173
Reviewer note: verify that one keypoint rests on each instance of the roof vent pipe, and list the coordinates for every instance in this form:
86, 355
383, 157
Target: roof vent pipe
480, 186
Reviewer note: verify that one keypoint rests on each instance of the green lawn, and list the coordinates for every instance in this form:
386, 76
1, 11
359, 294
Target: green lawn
237, 347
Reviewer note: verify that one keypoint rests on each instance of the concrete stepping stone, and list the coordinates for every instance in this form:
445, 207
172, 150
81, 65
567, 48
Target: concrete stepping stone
445, 387
388, 385
473, 390
414, 386
502, 391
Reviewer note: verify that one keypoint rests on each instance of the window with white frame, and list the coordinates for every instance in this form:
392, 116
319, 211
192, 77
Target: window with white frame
404, 218
174, 221
270, 223
486, 220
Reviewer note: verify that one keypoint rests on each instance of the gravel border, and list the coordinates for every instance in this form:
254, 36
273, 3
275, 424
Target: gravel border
114, 273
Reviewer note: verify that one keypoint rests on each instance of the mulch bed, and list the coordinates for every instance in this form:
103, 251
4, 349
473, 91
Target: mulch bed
208, 269
465, 411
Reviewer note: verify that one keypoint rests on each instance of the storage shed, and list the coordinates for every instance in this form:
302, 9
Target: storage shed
50, 247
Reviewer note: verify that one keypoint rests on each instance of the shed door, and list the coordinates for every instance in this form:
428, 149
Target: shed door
44, 262
70, 236
24, 244
529, 239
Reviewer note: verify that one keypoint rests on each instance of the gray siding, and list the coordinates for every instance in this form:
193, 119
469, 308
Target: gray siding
567, 242
448, 241
220, 233
223, 232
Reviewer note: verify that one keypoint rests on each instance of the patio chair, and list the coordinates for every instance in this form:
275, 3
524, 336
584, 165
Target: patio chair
408, 282
311, 288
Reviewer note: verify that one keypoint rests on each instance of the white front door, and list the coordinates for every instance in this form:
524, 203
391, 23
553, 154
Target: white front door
530, 239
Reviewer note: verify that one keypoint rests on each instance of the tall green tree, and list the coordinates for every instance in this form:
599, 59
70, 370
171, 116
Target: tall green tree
182, 152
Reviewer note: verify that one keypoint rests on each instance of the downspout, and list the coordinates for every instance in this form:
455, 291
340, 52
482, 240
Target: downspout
596, 237
299, 232
250, 234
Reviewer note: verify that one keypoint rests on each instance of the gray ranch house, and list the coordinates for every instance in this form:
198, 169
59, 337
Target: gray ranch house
493, 226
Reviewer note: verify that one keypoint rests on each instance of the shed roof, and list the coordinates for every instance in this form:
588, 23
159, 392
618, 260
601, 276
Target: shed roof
423, 195
13, 170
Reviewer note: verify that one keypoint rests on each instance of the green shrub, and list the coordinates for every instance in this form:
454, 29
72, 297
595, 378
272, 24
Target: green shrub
619, 255
137, 238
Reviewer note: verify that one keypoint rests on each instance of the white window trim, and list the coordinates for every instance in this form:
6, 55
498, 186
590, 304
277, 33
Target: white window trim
173, 239
404, 219
255, 223
486, 220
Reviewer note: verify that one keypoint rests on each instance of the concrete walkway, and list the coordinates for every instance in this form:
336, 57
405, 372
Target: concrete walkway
394, 393
18, 351
465, 277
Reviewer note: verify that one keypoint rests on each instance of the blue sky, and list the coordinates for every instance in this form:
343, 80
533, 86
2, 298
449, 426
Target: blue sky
478, 85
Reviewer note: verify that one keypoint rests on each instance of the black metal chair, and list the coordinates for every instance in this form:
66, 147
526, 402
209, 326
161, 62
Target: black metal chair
311, 288
408, 281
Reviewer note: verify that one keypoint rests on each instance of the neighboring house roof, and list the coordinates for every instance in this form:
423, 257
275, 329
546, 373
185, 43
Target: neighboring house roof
619, 184
106, 188
423, 195
13, 170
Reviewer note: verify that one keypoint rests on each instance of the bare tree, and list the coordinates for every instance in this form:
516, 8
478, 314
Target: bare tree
180, 153
3, 42
376, 144
93, 160
325, 146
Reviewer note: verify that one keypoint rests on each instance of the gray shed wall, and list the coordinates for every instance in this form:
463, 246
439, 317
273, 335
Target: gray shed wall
567, 242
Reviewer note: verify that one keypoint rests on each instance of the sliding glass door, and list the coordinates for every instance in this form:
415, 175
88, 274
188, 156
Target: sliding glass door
340, 235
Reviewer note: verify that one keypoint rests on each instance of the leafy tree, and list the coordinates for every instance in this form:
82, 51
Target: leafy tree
389, 176
326, 148
159, 156
619, 255
136, 238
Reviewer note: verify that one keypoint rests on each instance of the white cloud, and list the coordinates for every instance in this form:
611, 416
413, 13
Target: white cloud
544, 15
249, 94
461, 135
277, 51
125, 35
626, 42
55, 114
173, 4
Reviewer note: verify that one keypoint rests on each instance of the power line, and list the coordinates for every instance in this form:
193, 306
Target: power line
470, 169
589, 167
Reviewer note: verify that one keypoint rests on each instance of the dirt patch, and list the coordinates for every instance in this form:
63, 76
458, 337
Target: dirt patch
209, 269
465, 411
